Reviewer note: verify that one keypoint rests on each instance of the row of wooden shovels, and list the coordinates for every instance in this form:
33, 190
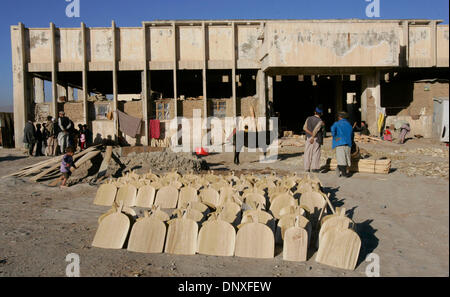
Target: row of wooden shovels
250, 213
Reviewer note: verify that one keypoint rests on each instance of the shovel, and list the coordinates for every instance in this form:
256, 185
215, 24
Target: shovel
255, 240
182, 236
147, 235
216, 238
295, 244
112, 230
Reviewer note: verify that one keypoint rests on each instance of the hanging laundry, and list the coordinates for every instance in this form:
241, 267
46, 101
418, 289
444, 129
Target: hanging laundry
155, 129
129, 125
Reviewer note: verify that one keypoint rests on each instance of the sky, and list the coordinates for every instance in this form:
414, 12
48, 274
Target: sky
131, 13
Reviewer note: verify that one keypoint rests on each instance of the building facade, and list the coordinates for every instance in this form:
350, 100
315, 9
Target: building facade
223, 68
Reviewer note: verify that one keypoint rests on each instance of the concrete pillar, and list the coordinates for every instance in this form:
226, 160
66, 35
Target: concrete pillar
175, 67
261, 91
83, 95
145, 88
54, 72
39, 91
433, 29
205, 66
19, 82
115, 85
371, 100
233, 70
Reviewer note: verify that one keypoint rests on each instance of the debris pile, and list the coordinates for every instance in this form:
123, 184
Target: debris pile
156, 162
225, 216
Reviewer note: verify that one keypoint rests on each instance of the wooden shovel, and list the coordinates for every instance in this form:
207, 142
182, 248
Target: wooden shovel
339, 248
216, 238
112, 230
167, 197
280, 202
145, 196
295, 245
106, 194
210, 197
127, 194
182, 237
255, 240
187, 194
147, 235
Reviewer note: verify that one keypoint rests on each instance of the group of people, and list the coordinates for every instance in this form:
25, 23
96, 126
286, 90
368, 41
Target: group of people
343, 140
342, 132
404, 130
55, 136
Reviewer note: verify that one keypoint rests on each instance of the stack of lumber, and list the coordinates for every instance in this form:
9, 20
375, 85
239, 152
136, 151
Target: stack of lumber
218, 215
365, 165
366, 139
49, 168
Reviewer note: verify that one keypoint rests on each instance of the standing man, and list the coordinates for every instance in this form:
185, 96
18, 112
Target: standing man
64, 125
342, 133
50, 136
29, 137
314, 140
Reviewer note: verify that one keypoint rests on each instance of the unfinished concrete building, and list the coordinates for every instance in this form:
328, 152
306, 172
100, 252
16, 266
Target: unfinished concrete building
226, 68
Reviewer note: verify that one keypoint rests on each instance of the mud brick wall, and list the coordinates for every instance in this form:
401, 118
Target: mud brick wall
132, 108
423, 95
188, 107
245, 104
74, 111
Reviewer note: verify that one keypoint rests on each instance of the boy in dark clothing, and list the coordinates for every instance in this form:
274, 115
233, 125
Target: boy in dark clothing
39, 139
29, 137
66, 164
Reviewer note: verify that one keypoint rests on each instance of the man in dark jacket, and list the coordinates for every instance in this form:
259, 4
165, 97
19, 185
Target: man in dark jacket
65, 126
29, 137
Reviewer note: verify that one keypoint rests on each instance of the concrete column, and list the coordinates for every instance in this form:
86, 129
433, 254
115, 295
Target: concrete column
83, 95
39, 90
145, 89
433, 29
205, 66
270, 88
233, 70
19, 82
371, 100
175, 67
115, 85
261, 91
54, 72
405, 43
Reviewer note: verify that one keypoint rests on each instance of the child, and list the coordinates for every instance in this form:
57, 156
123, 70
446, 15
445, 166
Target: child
66, 164
82, 138
387, 135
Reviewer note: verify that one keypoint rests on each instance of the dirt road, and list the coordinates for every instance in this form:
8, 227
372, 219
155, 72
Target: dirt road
401, 217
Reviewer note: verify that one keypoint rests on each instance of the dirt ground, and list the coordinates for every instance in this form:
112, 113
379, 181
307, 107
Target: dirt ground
402, 217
